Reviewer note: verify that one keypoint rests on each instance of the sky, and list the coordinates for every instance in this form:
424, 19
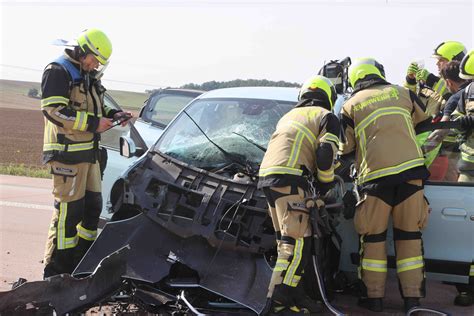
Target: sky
168, 43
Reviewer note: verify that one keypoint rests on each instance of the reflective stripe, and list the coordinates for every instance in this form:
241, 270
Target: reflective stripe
71, 242
297, 254
279, 170
374, 265
54, 100
440, 87
410, 264
296, 279
328, 137
71, 147
86, 233
380, 112
391, 170
326, 176
80, 122
62, 226
309, 135
471, 271
295, 149
281, 265
93, 48
467, 157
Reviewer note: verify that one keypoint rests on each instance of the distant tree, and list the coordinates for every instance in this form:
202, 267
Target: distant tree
33, 93
211, 85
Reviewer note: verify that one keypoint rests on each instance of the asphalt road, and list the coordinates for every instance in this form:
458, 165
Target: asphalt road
25, 211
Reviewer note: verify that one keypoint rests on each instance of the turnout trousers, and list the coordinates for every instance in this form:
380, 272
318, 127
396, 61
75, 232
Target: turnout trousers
409, 209
77, 206
291, 222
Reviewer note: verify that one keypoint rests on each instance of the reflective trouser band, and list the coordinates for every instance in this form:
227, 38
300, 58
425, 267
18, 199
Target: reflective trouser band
281, 265
70, 147
86, 233
63, 241
471, 271
467, 157
374, 265
410, 264
54, 100
296, 279
80, 123
326, 176
295, 262
279, 170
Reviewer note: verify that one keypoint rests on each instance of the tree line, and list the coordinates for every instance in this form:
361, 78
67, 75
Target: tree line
211, 85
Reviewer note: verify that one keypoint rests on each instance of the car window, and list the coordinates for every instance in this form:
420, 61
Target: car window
111, 138
162, 108
447, 167
239, 126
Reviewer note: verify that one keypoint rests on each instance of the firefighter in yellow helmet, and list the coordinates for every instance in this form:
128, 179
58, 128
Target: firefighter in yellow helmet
75, 114
305, 143
465, 108
444, 53
379, 123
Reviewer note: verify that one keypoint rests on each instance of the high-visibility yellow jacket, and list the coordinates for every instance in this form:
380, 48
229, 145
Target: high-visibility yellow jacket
72, 104
297, 146
379, 124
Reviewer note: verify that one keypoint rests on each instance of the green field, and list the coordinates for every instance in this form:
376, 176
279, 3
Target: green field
11, 89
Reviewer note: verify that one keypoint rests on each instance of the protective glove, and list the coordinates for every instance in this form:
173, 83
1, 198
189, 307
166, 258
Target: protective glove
412, 70
122, 117
422, 74
467, 122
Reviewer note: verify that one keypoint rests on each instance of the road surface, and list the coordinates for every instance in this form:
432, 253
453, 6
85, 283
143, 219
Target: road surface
25, 212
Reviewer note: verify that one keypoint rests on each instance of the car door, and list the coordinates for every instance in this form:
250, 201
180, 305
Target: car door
448, 238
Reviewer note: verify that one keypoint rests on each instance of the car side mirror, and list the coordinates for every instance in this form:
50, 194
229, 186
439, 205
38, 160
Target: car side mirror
128, 148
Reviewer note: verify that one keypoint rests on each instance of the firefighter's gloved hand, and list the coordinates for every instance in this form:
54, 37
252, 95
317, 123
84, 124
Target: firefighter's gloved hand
422, 75
467, 122
412, 69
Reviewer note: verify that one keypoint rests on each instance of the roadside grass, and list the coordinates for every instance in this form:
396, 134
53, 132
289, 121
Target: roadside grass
25, 170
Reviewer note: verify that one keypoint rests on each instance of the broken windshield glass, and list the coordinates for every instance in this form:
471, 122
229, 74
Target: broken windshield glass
223, 121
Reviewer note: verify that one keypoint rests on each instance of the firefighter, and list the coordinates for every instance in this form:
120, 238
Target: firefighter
74, 114
466, 163
304, 144
444, 53
379, 121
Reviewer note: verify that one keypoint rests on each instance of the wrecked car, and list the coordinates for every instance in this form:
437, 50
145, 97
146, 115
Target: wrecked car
189, 231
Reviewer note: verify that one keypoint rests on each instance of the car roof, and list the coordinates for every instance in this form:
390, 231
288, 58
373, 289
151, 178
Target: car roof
270, 93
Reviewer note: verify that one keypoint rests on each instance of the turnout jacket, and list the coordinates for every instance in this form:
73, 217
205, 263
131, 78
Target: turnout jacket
305, 142
72, 104
379, 123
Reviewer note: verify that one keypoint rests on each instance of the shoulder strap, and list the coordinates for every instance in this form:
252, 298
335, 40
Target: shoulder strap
75, 74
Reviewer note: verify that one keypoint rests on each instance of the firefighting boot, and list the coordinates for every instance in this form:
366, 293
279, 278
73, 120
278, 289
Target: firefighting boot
410, 302
282, 303
464, 299
303, 301
373, 304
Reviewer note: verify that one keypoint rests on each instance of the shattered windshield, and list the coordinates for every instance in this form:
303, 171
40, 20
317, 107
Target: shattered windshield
240, 127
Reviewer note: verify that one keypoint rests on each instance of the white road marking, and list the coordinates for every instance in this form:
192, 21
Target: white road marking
26, 205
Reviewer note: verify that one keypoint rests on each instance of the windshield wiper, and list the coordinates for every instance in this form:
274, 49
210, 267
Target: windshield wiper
251, 142
238, 159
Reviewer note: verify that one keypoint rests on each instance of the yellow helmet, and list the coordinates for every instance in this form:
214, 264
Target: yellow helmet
466, 69
364, 67
94, 41
319, 86
450, 50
